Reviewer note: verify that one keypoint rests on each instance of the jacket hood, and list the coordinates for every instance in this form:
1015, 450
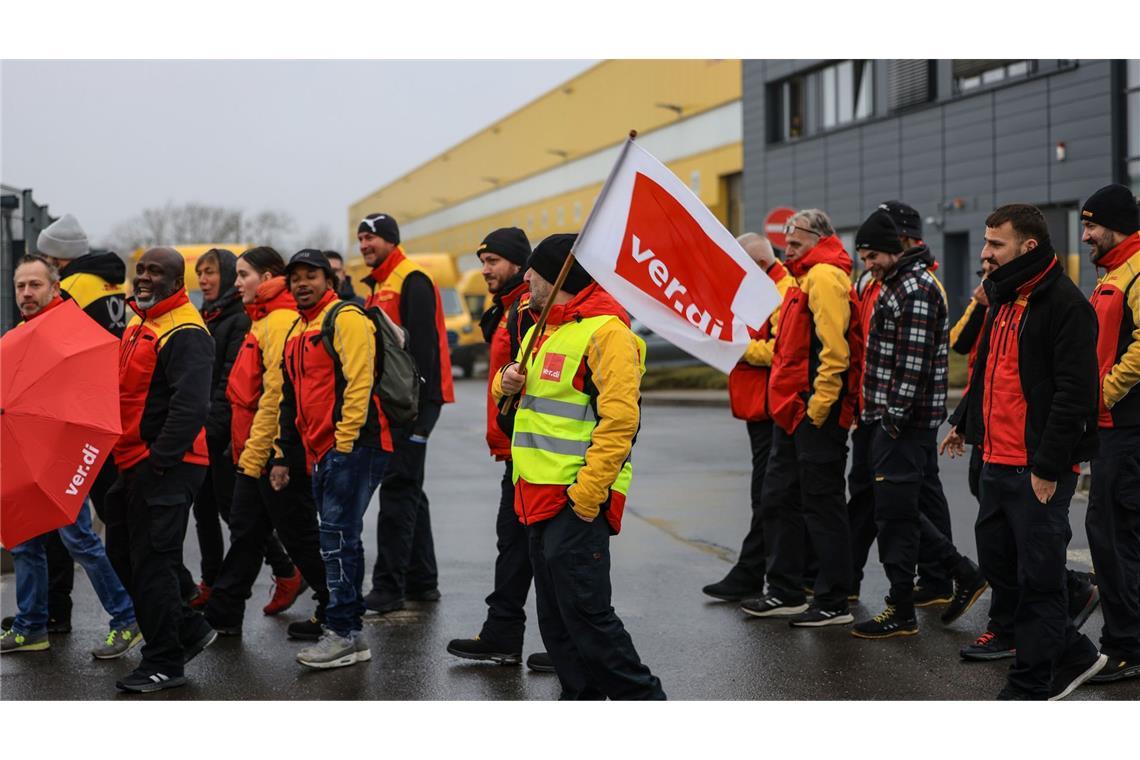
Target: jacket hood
1121, 253
592, 301
227, 270
271, 295
916, 258
829, 250
105, 264
1024, 274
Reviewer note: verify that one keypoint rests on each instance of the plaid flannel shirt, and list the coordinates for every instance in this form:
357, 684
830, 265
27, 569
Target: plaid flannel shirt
905, 374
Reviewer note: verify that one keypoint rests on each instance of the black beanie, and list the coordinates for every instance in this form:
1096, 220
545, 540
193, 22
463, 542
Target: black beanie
508, 242
907, 220
382, 225
1113, 207
879, 233
309, 257
549, 257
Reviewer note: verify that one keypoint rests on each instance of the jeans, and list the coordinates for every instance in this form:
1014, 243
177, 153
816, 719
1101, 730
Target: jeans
30, 560
343, 485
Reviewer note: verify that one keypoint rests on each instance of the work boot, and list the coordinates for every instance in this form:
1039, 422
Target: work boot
731, 589
540, 662
118, 642
969, 585
933, 596
478, 648
285, 593
896, 620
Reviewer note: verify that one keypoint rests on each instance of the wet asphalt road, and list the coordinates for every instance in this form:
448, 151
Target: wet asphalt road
687, 513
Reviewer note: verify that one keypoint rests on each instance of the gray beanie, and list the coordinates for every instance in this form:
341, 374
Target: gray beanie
63, 239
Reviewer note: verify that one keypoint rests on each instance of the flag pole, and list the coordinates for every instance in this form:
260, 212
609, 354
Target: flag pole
508, 401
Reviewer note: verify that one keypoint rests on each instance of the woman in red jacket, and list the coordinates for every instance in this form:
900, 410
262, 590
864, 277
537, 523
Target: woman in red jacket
254, 390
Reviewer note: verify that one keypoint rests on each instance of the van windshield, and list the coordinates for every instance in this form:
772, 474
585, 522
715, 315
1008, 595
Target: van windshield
452, 305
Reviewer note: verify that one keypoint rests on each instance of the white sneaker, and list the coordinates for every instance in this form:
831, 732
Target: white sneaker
333, 651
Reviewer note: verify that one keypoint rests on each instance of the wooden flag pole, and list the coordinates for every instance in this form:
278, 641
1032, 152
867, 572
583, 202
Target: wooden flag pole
508, 401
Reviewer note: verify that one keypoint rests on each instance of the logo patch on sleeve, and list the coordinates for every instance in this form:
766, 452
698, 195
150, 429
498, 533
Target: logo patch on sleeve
552, 367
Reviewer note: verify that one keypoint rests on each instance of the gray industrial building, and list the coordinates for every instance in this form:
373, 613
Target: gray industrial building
953, 138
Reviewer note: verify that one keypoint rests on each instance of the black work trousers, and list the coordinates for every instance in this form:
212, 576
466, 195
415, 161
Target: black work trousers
750, 565
1113, 526
932, 504
146, 516
1021, 550
405, 561
257, 511
506, 619
61, 565
592, 652
904, 469
804, 486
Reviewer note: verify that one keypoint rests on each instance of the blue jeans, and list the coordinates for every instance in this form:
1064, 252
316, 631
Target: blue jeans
343, 485
30, 561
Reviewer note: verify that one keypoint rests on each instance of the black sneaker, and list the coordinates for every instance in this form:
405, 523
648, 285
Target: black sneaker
305, 630
483, 649
817, 617
1117, 669
733, 591
190, 651
933, 596
427, 595
891, 622
1084, 597
540, 662
969, 585
375, 602
1068, 676
988, 646
53, 626
771, 606
141, 682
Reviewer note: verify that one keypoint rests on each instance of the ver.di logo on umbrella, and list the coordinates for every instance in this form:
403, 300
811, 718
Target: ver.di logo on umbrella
90, 457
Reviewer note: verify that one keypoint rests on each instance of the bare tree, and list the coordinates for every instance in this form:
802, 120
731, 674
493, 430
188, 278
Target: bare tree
320, 237
200, 223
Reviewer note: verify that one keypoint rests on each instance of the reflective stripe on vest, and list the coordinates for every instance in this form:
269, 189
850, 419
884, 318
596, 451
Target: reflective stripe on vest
555, 420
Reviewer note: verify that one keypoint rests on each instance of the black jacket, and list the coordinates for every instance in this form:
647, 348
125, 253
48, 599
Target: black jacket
228, 323
96, 282
1056, 361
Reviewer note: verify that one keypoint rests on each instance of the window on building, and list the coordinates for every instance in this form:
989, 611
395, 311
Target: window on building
910, 83
826, 98
1132, 124
732, 186
971, 73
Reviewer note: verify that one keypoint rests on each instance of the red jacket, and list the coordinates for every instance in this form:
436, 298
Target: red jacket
748, 381
165, 369
499, 354
1117, 304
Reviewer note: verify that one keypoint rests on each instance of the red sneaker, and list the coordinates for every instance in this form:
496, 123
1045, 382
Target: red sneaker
199, 601
285, 592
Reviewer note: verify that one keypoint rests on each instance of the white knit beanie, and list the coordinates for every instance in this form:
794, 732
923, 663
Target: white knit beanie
63, 239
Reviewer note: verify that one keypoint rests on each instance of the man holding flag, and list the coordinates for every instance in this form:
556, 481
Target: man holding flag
575, 427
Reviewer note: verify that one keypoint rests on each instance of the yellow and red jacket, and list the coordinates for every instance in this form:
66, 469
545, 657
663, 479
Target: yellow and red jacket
610, 373
1116, 301
500, 354
254, 384
748, 381
818, 359
165, 366
329, 403
433, 361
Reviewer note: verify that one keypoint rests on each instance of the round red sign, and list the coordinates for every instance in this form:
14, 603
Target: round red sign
774, 225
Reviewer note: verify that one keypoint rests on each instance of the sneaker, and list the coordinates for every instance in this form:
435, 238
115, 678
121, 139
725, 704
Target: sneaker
1067, 677
1084, 597
363, 653
933, 596
200, 599
988, 646
141, 682
333, 651
891, 622
817, 617
285, 593
306, 630
969, 585
771, 606
481, 649
540, 662
427, 595
731, 591
119, 641
375, 602
53, 626
12, 640
189, 652
1117, 669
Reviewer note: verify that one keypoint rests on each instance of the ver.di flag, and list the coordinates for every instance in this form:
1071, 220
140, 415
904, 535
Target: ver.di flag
662, 254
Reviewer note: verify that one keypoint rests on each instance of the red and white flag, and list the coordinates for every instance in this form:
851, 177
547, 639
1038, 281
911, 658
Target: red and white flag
662, 254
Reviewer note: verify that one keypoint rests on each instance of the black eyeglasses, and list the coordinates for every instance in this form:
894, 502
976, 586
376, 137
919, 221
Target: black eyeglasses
789, 228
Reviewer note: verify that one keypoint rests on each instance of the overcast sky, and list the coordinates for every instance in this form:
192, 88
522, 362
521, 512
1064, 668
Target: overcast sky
106, 139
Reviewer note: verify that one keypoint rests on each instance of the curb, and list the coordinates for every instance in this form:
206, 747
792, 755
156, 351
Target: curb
719, 398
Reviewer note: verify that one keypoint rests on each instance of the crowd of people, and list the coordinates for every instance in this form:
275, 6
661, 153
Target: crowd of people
274, 409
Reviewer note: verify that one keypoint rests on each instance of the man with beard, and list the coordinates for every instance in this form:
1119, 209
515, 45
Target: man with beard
165, 366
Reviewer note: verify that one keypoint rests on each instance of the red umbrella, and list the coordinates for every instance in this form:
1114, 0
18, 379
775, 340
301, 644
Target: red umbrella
59, 418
